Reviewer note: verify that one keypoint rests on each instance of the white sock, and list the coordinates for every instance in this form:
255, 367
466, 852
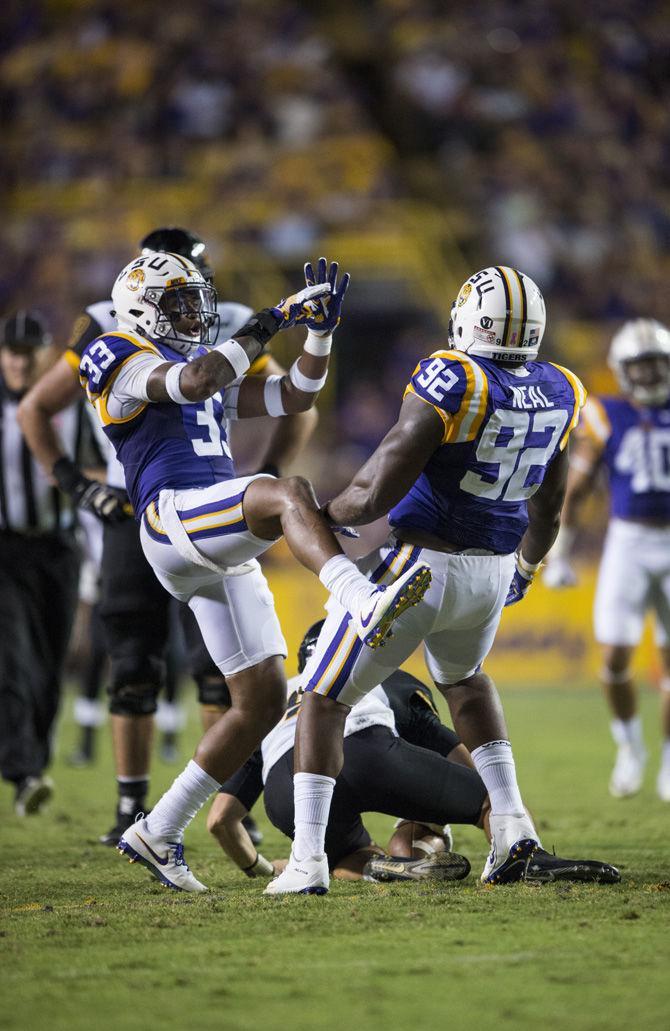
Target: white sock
628, 732
312, 793
340, 576
495, 765
172, 814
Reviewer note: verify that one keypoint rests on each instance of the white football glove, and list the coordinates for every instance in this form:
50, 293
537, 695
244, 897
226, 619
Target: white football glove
558, 572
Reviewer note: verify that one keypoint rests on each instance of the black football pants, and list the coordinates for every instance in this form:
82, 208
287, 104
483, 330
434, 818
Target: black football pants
38, 598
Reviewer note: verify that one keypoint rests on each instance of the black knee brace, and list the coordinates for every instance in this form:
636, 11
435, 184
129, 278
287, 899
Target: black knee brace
212, 691
135, 685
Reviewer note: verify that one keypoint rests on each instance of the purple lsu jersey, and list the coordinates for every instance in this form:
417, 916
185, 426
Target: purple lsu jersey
635, 444
160, 445
502, 428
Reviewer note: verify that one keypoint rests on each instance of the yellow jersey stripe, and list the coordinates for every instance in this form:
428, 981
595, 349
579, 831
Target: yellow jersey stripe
580, 398
72, 359
596, 422
465, 424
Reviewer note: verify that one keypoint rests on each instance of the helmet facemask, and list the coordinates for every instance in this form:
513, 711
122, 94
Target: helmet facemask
187, 315
646, 379
165, 297
639, 356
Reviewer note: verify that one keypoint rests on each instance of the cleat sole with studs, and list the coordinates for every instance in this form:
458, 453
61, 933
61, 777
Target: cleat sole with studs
413, 594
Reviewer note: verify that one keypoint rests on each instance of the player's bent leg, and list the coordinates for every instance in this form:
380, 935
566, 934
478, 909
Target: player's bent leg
289, 507
626, 727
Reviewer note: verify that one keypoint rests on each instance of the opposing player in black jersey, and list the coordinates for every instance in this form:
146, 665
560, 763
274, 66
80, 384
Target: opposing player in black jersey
133, 605
399, 759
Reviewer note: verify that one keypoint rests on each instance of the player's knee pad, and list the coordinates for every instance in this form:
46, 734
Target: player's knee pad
135, 684
213, 691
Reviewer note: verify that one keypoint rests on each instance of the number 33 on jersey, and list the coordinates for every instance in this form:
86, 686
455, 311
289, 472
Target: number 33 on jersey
160, 445
502, 428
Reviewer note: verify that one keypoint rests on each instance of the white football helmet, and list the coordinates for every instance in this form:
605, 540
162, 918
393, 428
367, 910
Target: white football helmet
165, 297
499, 314
639, 356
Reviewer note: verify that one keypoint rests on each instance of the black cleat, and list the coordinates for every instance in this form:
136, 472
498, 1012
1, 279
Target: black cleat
252, 829
123, 822
545, 868
441, 866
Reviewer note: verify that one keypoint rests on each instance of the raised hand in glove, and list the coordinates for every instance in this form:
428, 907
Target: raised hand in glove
297, 309
329, 308
521, 581
109, 504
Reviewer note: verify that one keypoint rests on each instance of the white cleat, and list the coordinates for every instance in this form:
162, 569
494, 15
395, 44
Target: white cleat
163, 859
301, 877
513, 842
628, 772
663, 784
32, 794
374, 619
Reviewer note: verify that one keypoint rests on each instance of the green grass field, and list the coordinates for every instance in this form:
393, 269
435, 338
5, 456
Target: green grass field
89, 942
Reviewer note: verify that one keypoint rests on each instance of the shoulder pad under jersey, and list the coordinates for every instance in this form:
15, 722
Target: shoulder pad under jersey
457, 388
103, 358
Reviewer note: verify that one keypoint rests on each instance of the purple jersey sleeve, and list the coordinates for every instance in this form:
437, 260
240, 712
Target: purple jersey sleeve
102, 358
442, 382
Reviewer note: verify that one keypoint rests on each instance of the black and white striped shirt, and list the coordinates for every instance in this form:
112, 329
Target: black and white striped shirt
29, 503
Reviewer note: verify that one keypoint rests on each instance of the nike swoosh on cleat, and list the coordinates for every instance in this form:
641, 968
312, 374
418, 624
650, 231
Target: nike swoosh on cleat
159, 859
366, 622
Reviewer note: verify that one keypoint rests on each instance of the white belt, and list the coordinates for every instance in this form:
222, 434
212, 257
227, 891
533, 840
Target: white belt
181, 541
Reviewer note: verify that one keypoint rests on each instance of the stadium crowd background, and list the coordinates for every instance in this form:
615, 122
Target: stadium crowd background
412, 142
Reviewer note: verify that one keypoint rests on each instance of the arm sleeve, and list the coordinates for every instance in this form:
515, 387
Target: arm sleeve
230, 398
131, 382
247, 784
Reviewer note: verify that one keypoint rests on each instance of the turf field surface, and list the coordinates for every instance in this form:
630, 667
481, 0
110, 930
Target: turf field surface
88, 941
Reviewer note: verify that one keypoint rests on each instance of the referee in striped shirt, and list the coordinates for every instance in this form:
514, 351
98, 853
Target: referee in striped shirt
39, 567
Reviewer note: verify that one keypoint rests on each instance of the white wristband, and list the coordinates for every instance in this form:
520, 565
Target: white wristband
172, 377
302, 382
317, 345
236, 355
529, 568
272, 396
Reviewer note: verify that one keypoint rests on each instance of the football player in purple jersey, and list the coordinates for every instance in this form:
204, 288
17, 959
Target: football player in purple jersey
627, 437
134, 607
164, 394
472, 477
